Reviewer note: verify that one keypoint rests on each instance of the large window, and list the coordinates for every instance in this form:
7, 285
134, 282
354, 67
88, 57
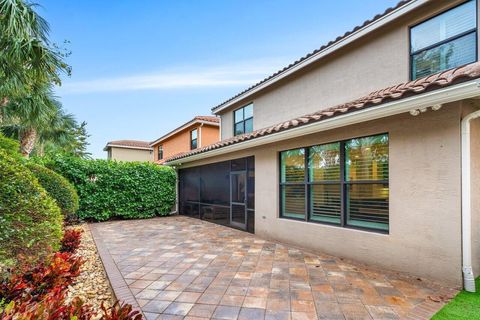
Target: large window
243, 120
443, 42
193, 139
343, 183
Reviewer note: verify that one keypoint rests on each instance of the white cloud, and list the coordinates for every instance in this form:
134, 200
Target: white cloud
242, 74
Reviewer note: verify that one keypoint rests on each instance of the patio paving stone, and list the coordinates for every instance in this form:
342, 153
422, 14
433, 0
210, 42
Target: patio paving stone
182, 268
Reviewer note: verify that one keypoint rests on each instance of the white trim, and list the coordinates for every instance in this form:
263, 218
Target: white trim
126, 147
183, 127
453, 93
395, 14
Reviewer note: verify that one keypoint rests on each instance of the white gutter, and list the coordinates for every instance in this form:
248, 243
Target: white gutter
468, 277
387, 18
449, 94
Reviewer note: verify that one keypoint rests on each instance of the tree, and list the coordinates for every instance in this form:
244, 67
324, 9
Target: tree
28, 61
75, 146
36, 120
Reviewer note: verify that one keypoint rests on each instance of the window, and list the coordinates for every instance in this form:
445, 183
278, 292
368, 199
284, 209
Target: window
443, 42
193, 139
160, 152
343, 183
243, 120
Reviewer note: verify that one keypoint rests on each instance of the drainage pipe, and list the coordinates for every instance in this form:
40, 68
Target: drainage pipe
468, 278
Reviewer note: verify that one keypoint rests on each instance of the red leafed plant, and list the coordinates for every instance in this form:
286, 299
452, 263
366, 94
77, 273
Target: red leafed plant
40, 280
71, 240
119, 311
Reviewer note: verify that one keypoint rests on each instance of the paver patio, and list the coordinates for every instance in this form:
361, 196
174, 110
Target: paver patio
183, 268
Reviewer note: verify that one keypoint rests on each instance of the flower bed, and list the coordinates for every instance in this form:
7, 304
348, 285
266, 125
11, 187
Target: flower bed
46, 289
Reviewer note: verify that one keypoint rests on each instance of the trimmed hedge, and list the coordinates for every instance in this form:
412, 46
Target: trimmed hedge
30, 221
110, 189
10, 147
58, 188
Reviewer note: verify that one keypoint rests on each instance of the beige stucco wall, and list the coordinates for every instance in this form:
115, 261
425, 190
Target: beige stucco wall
425, 217
124, 154
374, 62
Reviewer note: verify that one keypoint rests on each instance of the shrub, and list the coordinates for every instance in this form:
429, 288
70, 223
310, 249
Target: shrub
58, 188
71, 240
10, 147
110, 189
30, 221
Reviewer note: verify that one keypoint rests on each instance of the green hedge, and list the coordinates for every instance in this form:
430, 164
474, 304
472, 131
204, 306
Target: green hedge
110, 189
58, 188
30, 221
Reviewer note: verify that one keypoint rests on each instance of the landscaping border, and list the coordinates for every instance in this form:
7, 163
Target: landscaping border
120, 289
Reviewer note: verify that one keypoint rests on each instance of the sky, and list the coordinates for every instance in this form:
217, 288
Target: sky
142, 68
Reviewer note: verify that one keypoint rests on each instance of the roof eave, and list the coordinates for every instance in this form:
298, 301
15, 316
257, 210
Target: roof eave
441, 96
181, 128
387, 18
126, 147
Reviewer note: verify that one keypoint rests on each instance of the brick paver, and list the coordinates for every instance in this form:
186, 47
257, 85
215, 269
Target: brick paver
182, 268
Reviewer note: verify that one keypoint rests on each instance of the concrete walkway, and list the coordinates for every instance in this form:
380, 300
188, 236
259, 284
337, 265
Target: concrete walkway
183, 268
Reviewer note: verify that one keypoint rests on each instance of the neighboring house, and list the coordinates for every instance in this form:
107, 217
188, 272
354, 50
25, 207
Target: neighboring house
197, 133
360, 148
129, 150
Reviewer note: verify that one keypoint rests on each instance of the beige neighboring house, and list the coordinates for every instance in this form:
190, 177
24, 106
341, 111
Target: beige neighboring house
129, 150
367, 148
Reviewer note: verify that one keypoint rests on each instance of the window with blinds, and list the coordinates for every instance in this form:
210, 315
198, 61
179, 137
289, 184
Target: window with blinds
446, 41
343, 183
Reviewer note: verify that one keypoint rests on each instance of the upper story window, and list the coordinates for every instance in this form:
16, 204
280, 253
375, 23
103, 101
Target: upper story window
160, 152
446, 41
194, 139
243, 120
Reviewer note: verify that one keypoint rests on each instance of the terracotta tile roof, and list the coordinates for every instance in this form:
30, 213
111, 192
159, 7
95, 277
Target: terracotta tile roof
130, 143
397, 92
208, 118
329, 44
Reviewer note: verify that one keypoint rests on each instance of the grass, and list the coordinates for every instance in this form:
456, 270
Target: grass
465, 306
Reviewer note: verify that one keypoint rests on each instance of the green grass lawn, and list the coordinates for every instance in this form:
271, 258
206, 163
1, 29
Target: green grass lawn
465, 306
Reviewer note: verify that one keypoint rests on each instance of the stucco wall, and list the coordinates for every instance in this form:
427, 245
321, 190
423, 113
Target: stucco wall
124, 154
425, 218
180, 142
374, 62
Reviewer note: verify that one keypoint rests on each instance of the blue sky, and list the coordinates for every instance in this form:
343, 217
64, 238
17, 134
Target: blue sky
142, 68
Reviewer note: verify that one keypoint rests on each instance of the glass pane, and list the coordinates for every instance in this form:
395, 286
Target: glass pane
248, 111
367, 206
239, 115
215, 183
447, 56
293, 201
293, 165
238, 187
194, 144
239, 128
238, 214
444, 26
367, 158
324, 162
325, 203
249, 125
194, 134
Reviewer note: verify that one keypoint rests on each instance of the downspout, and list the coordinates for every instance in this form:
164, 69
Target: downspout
468, 278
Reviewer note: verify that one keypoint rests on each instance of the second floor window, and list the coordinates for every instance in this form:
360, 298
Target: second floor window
243, 120
160, 152
446, 41
193, 139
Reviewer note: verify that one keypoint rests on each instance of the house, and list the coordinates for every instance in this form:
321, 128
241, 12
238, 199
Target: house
129, 150
196, 133
367, 148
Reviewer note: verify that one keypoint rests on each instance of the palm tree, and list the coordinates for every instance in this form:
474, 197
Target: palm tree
27, 59
36, 120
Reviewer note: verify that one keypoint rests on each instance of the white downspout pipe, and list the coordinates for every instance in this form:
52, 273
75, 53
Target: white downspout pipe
468, 278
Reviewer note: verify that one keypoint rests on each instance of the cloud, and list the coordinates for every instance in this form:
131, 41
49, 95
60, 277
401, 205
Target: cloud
241, 74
